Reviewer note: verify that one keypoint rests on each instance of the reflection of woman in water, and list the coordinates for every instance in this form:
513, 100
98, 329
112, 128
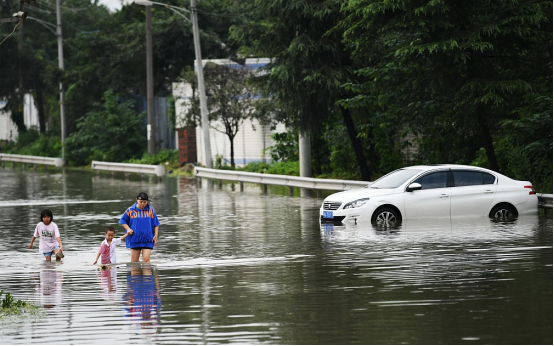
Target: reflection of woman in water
143, 297
50, 288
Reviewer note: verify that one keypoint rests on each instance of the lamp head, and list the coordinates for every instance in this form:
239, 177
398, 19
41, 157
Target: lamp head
143, 2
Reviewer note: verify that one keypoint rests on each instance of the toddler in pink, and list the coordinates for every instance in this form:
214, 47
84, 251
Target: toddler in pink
49, 234
107, 248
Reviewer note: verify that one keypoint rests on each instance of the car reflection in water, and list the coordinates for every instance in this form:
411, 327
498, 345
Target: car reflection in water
143, 300
451, 229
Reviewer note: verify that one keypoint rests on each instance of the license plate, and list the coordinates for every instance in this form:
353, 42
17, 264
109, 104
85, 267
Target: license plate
327, 214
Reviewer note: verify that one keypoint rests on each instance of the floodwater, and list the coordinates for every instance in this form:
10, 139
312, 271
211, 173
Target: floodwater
248, 268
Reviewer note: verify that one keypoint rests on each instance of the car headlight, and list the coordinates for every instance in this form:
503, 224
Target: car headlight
356, 204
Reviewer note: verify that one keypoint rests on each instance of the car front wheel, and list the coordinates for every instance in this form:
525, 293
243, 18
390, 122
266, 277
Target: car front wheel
386, 216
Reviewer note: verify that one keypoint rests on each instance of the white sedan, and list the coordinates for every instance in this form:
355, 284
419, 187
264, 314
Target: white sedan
434, 191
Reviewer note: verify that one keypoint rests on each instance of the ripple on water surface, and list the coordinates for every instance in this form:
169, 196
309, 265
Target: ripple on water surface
244, 267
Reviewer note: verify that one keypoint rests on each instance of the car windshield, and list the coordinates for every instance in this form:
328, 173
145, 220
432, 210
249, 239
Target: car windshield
394, 179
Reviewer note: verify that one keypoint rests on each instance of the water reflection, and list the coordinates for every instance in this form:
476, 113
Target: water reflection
426, 230
49, 288
244, 267
108, 283
143, 300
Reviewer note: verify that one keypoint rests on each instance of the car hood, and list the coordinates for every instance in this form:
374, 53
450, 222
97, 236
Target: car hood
351, 195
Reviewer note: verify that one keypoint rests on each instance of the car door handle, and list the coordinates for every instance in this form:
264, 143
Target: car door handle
488, 191
443, 195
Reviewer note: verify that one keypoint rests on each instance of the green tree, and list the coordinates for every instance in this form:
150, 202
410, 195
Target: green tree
308, 65
449, 71
231, 99
110, 132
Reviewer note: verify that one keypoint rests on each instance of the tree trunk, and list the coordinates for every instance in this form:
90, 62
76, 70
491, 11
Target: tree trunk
232, 140
40, 107
487, 140
356, 144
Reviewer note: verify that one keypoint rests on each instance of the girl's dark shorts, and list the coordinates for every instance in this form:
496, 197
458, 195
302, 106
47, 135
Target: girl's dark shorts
141, 248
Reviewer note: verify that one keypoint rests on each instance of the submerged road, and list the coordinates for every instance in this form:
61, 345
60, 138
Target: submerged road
244, 267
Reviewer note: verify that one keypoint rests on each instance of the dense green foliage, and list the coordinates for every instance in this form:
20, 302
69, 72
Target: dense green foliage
281, 168
102, 51
285, 147
31, 142
378, 84
425, 81
162, 157
110, 132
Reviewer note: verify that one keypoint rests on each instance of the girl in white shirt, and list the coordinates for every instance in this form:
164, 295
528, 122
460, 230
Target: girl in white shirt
49, 234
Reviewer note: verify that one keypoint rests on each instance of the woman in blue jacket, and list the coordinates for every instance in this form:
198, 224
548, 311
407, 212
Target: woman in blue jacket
143, 221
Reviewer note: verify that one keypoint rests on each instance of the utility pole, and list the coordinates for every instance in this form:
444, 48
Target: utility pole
201, 90
60, 65
305, 156
151, 127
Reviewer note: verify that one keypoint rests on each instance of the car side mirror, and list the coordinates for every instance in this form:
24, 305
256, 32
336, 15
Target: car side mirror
413, 187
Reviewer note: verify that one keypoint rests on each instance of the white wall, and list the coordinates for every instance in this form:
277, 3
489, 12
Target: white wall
250, 142
30, 112
8, 130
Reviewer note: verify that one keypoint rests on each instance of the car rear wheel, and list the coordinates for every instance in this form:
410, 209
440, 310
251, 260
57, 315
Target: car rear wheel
503, 212
386, 216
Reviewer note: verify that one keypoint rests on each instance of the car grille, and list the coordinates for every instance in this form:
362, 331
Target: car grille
334, 219
331, 205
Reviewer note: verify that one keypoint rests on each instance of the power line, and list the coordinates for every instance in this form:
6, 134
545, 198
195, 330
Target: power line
11, 33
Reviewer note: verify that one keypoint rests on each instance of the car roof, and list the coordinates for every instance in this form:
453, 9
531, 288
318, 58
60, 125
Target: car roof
450, 166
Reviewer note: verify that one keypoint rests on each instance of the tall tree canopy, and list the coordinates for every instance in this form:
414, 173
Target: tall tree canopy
308, 66
450, 70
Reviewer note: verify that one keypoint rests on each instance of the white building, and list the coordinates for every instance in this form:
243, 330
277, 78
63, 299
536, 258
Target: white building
250, 141
8, 129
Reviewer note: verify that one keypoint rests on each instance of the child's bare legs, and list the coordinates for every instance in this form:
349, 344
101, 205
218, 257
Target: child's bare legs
57, 258
48, 258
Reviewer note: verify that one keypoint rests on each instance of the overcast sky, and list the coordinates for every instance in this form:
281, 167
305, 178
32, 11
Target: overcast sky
114, 5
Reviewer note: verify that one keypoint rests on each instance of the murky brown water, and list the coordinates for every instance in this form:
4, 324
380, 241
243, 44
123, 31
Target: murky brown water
243, 267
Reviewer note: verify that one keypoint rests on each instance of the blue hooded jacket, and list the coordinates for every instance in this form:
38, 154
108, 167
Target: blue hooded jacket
142, 222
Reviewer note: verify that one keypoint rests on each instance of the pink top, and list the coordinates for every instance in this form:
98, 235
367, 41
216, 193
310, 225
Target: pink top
107, 251
47, 235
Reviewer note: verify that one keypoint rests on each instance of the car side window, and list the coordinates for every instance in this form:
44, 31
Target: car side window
433, 181
488, 179
467, 178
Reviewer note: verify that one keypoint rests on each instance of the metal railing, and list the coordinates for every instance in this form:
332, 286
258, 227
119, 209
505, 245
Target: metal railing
545, 200
158, 170
282, 180
34, 160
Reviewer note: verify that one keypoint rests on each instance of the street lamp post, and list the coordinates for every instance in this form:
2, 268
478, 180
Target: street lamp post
61, 66
150, 111
199, 72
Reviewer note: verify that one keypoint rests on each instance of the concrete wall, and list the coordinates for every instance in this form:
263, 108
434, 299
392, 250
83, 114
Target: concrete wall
249, 142
8, 130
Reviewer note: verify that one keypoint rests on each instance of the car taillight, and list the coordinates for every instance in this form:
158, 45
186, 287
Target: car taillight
532, 192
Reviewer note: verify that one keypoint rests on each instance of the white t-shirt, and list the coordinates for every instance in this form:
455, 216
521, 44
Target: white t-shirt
105, 246
47, 235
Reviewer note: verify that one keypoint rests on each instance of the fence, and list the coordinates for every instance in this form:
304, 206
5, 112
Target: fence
545, 200
34, 160
281, 180
158, 170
